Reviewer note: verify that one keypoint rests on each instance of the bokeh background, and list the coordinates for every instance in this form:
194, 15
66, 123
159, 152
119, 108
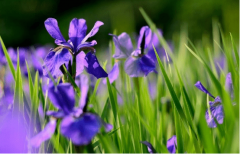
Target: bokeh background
22, 21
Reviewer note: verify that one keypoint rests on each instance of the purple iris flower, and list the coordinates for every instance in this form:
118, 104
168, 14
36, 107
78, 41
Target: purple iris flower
71, 48
137, 63
77, 125
171, 145
216, 108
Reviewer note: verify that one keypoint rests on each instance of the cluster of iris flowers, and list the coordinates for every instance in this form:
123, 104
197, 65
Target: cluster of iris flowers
68, 60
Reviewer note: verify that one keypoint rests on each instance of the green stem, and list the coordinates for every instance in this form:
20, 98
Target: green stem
74, 66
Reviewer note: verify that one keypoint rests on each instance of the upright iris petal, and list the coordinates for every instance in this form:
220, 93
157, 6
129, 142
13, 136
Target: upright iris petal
77, 31
203, 89
149, 146
123, 45
51, 25
171, 144
93, 67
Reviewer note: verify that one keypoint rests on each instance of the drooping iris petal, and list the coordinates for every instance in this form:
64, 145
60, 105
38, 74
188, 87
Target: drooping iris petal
93, 67
54, 60
77, 31
51, 25
171, 144
62, 97
149, 146
145, 31
86, 44
216, 111
113, 74
81, 130
136, 67
56, 114
80, 63
123, 45
45, 134
93, 31
203, 89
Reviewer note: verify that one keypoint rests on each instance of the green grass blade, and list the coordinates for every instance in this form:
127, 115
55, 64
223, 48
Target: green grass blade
9, 61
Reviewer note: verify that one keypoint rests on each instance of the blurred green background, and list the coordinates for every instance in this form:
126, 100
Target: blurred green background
22, 21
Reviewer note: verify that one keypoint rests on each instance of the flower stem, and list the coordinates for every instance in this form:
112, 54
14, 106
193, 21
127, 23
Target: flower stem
74, 66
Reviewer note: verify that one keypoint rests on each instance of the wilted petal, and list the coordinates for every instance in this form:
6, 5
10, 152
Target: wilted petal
136, 67
51, 25
93, 67
171, 144
148, 36
123, 45
77, 31
93, 31
54, 60
62, 97
80, 63
149, 146
216, 110
45, 134
203, 89
81, 130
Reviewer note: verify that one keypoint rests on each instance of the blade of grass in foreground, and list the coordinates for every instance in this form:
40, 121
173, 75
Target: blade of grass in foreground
9, 61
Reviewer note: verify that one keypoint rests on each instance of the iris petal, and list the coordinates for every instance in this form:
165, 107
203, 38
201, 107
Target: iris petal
149, 146
148, 36
51, 25
171, 144
45, 134
203, 89
93, 67
93, 31
123, 44
81, 130
80, 63
77, 31
136, 67
62, 97
217, 113
54, 60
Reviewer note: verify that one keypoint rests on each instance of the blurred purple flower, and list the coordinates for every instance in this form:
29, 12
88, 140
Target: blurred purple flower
77, 125
172, 144
13, 134
149, 146
63, 54
138, 63
216, 108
